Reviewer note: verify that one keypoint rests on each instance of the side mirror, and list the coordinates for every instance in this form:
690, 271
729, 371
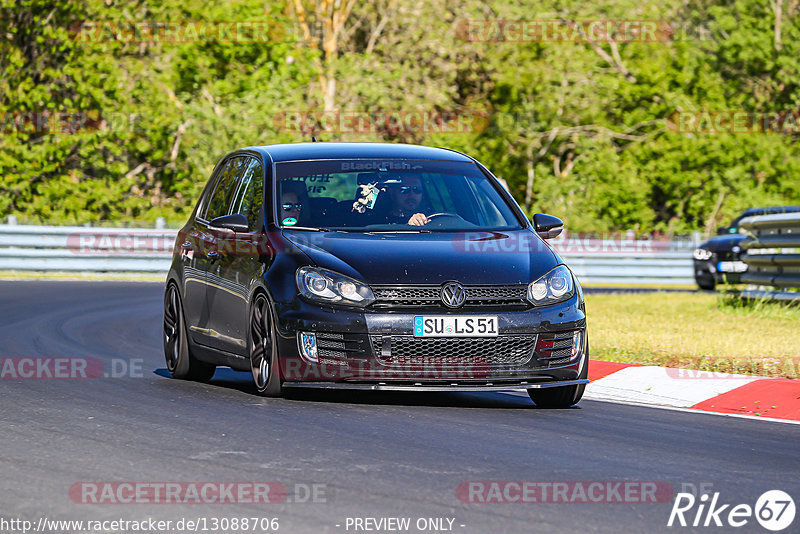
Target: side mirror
547, 226
234, 223
722, 230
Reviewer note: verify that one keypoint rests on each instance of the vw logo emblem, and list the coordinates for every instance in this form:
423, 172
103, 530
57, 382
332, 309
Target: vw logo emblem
453, 295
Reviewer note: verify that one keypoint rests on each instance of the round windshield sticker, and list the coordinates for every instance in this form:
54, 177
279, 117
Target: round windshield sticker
290, 221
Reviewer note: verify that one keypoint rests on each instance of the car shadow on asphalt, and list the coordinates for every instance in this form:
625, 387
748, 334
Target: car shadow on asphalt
223, 377
242, 381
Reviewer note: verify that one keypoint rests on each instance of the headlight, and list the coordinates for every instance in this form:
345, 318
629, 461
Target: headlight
555, 286
323, 285
701, 254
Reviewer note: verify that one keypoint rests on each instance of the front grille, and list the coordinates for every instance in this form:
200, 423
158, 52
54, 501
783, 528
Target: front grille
505, 350
402, 296
727, 255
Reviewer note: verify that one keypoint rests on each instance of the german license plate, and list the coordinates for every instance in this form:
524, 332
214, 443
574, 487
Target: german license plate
455, 326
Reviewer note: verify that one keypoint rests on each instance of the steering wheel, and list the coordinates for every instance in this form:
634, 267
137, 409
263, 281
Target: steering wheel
442, 217
443, 214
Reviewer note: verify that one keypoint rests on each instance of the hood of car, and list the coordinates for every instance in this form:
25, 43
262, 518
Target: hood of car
723, 243
471, 258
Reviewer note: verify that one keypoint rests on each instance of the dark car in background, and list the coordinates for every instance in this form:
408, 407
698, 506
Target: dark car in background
372, 266
718, 259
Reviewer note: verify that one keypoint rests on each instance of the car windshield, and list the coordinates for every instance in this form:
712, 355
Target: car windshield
390, 196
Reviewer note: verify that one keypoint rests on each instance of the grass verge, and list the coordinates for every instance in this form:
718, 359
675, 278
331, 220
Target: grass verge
71, 276
704, 331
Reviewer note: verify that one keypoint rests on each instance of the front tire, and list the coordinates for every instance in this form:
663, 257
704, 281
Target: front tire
561, 397
178, 356
263, 349
706, 284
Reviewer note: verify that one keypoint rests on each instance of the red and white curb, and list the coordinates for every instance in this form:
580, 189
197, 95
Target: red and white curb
702, 391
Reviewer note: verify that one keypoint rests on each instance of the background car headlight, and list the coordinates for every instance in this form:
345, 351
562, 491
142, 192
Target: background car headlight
323, 285
554, 286
701, 254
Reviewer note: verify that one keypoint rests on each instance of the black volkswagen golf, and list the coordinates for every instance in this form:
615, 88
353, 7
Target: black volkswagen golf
372, 266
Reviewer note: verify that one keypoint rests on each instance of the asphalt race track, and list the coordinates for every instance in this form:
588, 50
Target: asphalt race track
371, 455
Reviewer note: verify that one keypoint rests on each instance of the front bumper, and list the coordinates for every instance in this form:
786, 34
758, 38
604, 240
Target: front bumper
708, 270
376, 349
547, 383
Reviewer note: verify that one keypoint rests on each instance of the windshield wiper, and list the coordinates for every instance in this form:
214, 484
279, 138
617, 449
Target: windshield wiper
420, 231
312, 229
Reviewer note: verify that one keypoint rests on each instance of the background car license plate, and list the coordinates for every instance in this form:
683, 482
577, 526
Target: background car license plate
732, 266
455, 326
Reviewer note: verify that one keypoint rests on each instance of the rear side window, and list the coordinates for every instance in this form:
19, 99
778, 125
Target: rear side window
250, 193
225, 188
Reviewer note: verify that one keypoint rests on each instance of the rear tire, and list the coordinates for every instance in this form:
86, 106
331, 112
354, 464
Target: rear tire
177, 354
561, 397
263, 349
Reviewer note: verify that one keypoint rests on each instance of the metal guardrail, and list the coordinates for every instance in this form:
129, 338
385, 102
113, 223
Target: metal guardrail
86, 249
620, 259
772, 253
667, 268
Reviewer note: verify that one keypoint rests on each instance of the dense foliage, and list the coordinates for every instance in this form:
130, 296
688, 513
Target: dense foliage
585, 130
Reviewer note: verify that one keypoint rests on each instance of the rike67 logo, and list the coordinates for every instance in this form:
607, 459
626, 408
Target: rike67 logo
774, 510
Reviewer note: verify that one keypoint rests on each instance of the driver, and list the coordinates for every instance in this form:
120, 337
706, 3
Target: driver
407, 199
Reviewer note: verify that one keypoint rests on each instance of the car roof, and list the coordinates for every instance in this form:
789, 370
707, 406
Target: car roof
322, 150
773, 209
